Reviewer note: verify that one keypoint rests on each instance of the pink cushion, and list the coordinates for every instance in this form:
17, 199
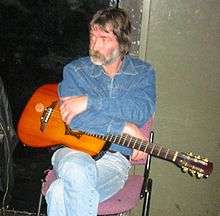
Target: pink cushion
49, 178
146, 129
126, 199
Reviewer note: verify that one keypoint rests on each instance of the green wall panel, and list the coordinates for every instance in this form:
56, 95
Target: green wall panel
184, 47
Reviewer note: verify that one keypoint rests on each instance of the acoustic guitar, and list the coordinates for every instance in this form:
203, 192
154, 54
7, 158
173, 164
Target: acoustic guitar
41, 126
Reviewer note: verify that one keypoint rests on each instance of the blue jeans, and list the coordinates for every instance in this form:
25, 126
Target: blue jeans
83, 182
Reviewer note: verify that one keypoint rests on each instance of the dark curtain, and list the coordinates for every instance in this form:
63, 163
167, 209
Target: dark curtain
8, 141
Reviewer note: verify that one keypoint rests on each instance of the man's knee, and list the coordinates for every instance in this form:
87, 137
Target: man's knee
77, 167
55, 191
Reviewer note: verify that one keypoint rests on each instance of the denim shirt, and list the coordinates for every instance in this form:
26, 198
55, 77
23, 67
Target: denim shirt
112, 102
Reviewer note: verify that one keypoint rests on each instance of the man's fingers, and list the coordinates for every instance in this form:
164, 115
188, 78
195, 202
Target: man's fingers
66, 98
135, 154
65, 107
72, 106
67, 117
138, 155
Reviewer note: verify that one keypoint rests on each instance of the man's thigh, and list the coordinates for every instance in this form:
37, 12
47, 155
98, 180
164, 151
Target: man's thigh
112, 174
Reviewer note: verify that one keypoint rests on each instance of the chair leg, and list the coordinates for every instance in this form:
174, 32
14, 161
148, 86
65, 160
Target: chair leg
40, 202
146, 204
123, 214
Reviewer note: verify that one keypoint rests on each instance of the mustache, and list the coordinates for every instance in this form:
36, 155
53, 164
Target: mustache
95, 54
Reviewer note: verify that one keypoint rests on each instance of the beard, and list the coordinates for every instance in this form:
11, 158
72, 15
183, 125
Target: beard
99, 59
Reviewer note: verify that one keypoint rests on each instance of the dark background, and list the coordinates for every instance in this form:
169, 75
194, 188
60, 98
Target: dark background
37, 38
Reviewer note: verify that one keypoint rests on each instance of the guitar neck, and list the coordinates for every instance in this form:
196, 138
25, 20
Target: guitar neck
139, 144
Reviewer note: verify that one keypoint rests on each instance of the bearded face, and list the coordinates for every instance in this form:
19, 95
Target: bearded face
100, 59
104, 47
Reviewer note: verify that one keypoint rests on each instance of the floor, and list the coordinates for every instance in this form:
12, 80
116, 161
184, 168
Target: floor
29, 165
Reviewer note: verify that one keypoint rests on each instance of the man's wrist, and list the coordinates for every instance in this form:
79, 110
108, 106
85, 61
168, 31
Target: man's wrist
86, 102
128, 128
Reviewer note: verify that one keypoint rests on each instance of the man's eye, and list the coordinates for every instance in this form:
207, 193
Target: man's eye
104, 39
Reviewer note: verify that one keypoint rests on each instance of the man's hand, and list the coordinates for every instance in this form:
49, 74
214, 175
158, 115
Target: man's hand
72, 106
139, 155
133, 130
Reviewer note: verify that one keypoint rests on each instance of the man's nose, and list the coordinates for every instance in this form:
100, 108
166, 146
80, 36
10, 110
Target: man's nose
96, 44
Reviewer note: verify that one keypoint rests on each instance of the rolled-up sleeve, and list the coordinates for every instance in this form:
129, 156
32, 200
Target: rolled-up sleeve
97, 123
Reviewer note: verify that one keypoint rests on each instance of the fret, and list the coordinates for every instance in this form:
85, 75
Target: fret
102, 137
146, 146
158, 153
174, 157
134, 143
119, 141
140, 144
171, 155
124, 138
163, 152
110, 137
115, 138
129, 142
166, 153
105, 137
153, 146
156, 149
98, 136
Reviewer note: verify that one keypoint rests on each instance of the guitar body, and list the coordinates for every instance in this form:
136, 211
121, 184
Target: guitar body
41, 127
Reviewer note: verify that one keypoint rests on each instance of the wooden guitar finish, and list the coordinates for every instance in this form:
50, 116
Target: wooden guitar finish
40, 124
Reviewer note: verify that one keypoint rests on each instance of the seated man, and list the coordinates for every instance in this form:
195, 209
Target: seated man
108, 92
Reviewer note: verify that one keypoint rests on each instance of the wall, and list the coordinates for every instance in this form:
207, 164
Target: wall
183, 44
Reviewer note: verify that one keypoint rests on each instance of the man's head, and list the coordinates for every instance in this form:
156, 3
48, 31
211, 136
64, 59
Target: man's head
110, 38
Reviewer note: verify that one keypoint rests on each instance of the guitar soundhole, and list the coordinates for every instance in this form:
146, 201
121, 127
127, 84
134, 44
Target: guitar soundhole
39, 107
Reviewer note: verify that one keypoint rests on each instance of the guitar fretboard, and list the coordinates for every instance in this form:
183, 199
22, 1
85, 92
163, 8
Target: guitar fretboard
139, 144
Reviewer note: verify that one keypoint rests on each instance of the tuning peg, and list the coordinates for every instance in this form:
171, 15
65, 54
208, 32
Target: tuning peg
192, 172
198, 157
184, 169
205, 160
190, 154
199, 175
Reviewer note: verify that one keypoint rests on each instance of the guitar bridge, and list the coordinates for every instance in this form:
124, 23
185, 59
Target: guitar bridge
46, 115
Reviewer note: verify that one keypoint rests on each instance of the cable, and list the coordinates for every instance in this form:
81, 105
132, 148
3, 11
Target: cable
7, 167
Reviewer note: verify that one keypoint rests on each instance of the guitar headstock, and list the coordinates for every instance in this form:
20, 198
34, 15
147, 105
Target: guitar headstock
194, 164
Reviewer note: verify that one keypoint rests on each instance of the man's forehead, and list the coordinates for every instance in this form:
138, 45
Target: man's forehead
106, 31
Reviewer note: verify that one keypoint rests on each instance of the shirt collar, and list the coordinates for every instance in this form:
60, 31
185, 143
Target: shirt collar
96, 70
127, 68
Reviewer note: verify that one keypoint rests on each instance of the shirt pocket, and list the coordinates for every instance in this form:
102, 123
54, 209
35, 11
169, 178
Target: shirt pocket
119, 89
